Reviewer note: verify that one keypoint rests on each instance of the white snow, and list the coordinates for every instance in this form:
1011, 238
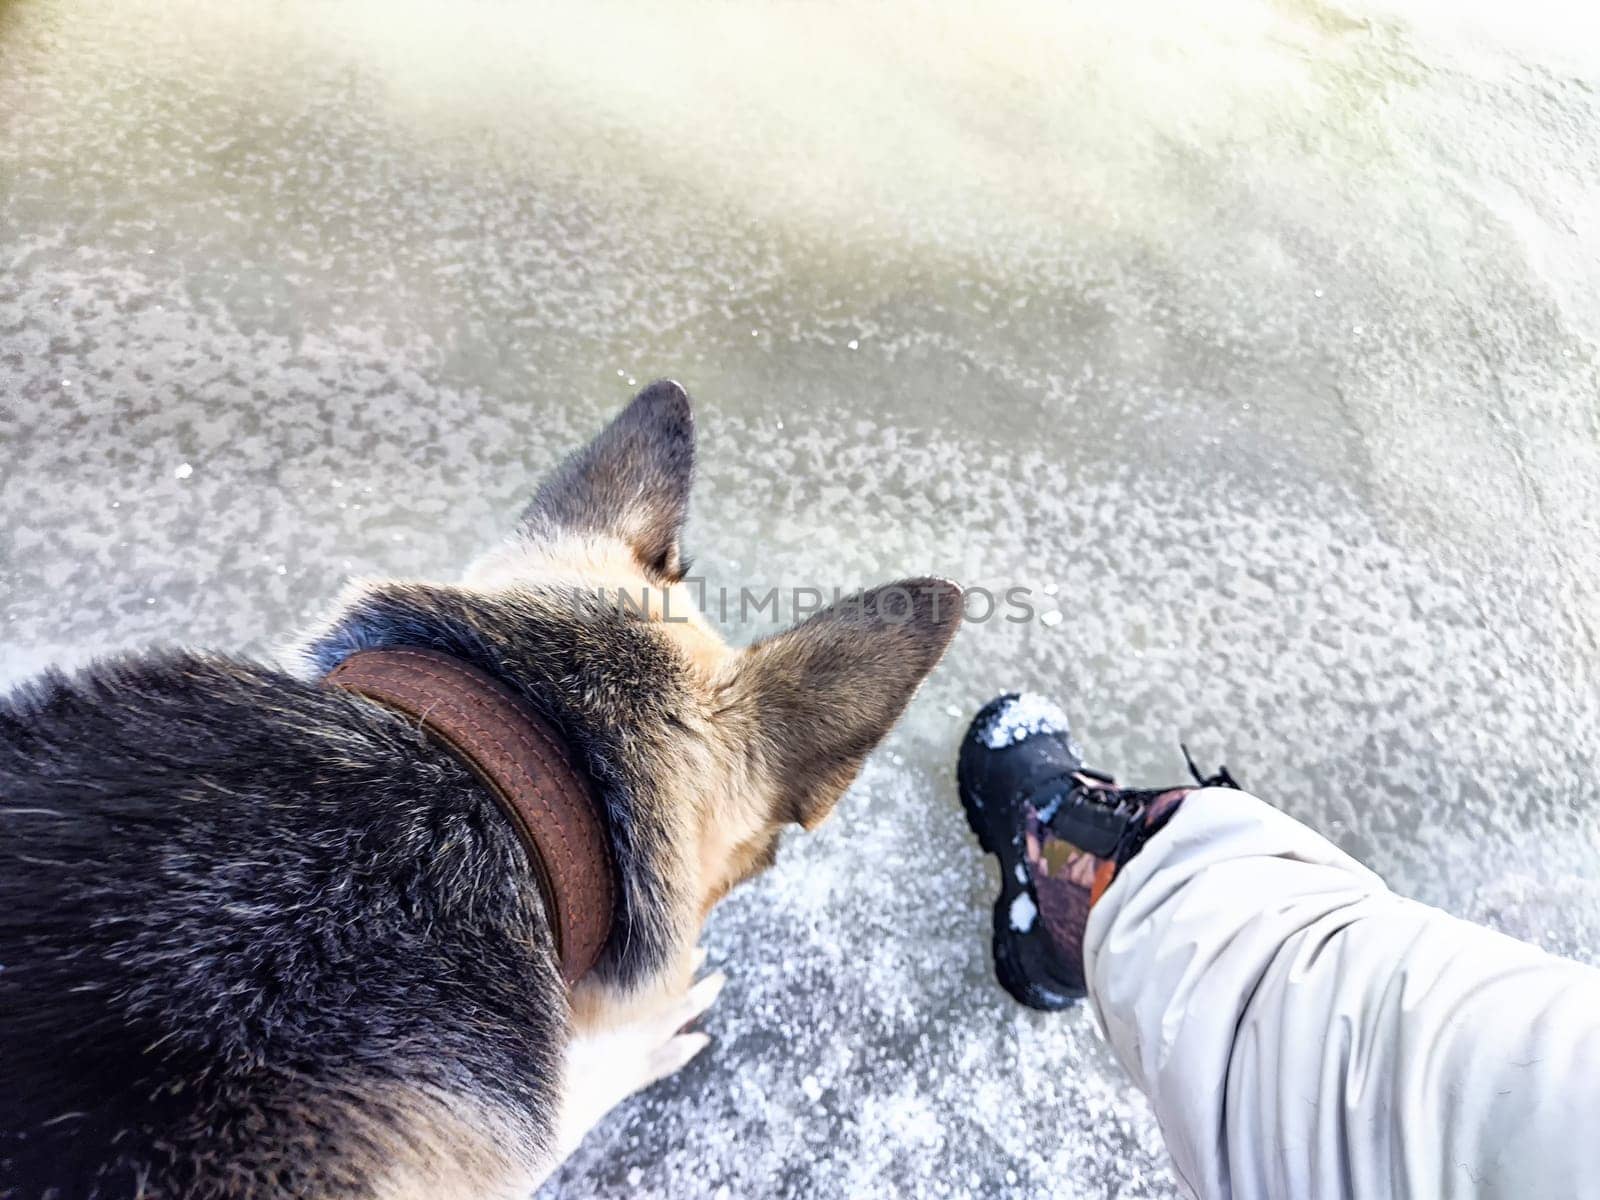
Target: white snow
183, 471
1028, 714
1023, 913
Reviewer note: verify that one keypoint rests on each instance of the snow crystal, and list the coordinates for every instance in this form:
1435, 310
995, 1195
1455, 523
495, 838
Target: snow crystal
811, 1088
183, 471
1023, 912
1028, 714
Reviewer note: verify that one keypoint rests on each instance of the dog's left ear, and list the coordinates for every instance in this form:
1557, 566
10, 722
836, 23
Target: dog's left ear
631, 482
820, 696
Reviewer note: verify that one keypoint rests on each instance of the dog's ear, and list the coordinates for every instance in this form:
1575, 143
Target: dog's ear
820, 696
631, 482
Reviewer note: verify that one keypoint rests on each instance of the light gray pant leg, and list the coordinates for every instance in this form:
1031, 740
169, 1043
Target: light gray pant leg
1301, 1031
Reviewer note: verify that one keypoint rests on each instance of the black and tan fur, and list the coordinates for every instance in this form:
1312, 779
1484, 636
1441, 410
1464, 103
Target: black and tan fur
260, 938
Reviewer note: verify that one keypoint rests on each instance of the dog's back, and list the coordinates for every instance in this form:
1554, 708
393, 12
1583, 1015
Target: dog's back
258, 939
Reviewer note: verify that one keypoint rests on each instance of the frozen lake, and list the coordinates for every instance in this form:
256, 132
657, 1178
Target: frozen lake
1259, 339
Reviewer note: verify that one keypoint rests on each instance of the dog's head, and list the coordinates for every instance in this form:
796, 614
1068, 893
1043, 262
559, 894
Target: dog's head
704, 753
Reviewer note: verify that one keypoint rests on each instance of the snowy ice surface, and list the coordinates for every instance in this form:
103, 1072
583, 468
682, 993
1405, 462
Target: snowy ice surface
1021, 717
1271, 327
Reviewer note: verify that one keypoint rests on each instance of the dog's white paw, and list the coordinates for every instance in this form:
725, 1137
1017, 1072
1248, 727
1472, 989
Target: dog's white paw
606, 1067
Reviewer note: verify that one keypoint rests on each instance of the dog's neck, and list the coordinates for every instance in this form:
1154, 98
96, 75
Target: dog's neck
510, 640
529, 773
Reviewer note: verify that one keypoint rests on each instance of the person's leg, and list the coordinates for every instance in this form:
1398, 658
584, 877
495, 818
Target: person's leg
1299, 1029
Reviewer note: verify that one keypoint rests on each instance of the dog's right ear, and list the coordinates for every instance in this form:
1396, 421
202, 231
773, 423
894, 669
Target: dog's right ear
631, 482
817, 698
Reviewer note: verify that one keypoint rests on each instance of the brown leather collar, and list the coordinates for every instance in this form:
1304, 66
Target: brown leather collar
528, 771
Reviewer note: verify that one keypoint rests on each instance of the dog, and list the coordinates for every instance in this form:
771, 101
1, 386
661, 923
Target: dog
261, 936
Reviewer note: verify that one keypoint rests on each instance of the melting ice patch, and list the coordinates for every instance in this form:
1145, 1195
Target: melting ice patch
1027, 714
1023, 912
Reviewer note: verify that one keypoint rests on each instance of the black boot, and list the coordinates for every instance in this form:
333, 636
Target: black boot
1060, 831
